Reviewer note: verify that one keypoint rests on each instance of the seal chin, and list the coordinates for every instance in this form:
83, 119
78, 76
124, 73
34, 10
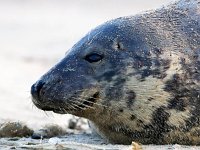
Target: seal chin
68, 106
58, 110
41, 106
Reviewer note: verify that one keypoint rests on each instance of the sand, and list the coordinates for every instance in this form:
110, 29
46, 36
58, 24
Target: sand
80, 141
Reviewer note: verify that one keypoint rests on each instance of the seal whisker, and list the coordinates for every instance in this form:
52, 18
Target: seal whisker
72, 107
64, 110
33, 106
82, 103
136, 86
75, 105
60, 108
93, 102
79, 90
85, 106
46, 113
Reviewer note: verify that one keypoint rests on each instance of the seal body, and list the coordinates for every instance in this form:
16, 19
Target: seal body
135, 78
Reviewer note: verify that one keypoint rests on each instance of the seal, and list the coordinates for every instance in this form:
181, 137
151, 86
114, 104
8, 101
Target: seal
135, 78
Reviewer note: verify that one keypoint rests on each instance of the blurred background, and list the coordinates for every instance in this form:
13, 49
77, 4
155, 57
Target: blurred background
35, 34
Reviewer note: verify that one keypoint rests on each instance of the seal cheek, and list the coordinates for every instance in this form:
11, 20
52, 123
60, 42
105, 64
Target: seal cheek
130, 98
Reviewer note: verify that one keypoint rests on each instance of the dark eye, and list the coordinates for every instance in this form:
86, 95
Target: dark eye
93, 57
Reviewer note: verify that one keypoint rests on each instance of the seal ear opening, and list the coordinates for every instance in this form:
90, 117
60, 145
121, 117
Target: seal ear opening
118, 45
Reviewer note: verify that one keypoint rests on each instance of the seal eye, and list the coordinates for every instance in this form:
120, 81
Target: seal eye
93, 57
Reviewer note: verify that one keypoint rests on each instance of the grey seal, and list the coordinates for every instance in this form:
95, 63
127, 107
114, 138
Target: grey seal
135, 78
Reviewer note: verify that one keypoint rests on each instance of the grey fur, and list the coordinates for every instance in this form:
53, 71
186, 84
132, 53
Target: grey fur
146, 85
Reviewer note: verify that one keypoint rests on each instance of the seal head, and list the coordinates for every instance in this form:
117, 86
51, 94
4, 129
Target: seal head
135, 78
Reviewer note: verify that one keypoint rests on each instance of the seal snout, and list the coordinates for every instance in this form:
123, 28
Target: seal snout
36, 89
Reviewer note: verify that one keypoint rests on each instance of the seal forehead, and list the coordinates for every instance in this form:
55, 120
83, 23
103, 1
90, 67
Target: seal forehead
117, 29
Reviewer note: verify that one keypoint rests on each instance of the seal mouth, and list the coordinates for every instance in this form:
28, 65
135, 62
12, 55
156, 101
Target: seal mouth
82, 105
72, 107
60, 111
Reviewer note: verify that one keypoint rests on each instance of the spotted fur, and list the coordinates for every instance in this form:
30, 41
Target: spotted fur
142, 83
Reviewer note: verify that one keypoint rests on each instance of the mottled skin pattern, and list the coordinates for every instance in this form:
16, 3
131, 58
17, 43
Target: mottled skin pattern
146, 86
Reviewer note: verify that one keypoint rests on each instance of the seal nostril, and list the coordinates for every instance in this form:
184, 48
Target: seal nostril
36, 88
